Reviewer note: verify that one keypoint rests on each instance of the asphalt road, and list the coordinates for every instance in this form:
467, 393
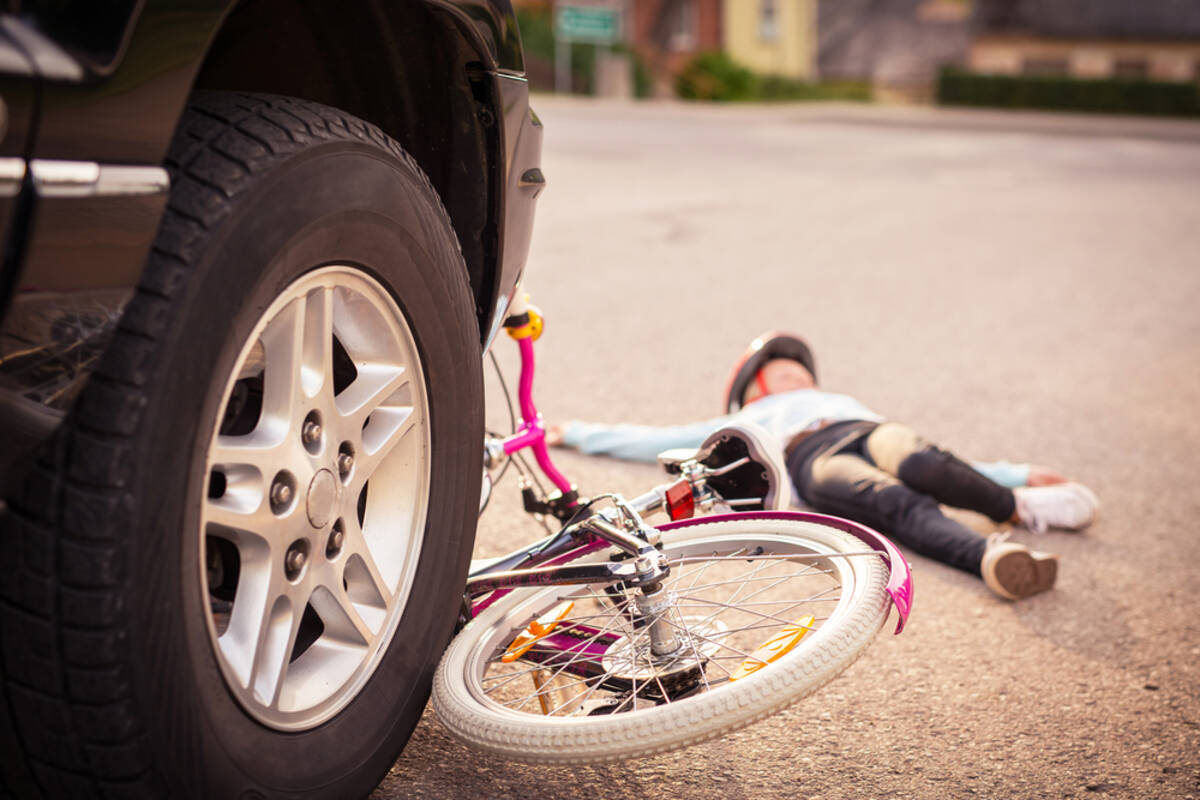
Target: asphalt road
1018, 287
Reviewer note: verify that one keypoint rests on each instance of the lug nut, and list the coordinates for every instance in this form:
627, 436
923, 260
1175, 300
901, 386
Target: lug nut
295, 560
311, 433
345, 463
281, 494
337, 538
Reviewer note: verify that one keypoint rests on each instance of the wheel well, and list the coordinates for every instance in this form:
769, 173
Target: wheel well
405, 67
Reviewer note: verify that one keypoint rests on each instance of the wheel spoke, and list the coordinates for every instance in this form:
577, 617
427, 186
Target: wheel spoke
377, 385
283, 353
341, 617
241, 504
277, 638
227, 521
255, 612
259, 450
316, 358
387, 429
364, 581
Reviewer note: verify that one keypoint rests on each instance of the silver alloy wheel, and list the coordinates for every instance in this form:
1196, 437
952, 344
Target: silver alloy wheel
306, 568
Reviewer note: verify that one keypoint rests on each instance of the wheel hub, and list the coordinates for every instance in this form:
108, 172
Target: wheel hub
629, 658
322, 498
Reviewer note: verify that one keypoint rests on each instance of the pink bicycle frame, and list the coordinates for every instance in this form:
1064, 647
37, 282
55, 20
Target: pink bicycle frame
532, 432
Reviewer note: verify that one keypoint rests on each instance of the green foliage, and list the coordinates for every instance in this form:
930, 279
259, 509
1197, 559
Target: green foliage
537, 32
715, 76
779, 87
643, 82
1114, 95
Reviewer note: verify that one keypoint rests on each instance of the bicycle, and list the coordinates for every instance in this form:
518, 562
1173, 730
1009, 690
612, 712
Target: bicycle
612, 638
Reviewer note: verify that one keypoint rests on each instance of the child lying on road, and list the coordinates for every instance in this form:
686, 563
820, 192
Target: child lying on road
845, 459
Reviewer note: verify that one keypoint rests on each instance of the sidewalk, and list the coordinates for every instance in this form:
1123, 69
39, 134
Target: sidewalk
931, 117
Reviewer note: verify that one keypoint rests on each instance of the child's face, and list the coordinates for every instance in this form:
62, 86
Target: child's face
780, 375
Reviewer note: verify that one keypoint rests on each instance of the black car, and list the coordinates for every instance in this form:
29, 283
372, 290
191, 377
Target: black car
252, 254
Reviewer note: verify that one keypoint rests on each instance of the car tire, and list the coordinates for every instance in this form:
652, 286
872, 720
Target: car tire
115, 676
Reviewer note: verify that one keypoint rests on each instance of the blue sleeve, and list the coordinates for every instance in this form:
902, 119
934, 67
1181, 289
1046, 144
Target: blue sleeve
1003, 472
634, 442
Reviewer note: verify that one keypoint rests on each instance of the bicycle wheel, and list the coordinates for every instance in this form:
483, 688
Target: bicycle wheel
764, 612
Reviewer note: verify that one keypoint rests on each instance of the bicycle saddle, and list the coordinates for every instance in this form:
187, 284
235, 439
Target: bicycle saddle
763, 479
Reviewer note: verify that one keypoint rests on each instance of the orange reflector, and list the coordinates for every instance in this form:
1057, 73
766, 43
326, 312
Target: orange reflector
774, 648
540, 628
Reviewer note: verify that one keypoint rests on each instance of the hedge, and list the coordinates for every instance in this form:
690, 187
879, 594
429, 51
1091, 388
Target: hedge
1114, 95
714, 75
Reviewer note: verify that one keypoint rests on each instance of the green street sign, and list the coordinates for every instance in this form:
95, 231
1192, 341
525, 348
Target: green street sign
587, 24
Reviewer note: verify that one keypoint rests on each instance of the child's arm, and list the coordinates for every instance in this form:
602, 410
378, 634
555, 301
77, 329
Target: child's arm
634, 442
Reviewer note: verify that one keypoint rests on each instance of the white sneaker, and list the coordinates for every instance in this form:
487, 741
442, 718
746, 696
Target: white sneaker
1070, 506
1014, 572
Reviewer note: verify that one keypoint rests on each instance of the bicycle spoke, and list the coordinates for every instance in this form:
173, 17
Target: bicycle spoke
733, 597
808, 572
578, 653
727, 606
723, 605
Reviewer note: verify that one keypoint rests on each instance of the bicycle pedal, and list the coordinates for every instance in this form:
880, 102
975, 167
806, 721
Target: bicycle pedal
539, 629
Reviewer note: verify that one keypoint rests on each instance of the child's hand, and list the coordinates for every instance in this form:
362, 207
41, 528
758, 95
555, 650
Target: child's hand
554, 436
1044, 476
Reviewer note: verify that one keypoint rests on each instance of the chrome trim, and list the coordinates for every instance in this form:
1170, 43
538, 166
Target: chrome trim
12, 175
53, 178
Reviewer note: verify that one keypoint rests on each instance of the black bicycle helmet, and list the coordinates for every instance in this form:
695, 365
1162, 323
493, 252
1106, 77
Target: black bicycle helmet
766, 347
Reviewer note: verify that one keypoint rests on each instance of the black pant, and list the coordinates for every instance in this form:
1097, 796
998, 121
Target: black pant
886, 476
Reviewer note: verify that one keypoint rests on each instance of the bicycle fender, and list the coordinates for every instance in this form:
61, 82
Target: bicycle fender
899, 586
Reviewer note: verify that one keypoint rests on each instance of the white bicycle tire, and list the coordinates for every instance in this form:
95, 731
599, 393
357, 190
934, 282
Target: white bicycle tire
484, 724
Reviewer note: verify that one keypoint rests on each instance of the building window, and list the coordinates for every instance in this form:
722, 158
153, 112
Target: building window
681, 25
1044, 67
768, 20
1131, 69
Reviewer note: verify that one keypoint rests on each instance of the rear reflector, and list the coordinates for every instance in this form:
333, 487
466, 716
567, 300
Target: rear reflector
680, 503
